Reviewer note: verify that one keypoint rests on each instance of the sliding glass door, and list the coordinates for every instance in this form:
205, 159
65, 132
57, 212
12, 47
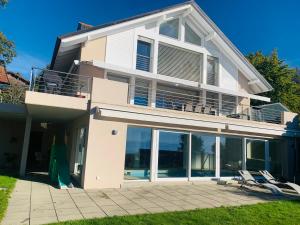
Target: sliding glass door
173, 154
255, 155
203, 158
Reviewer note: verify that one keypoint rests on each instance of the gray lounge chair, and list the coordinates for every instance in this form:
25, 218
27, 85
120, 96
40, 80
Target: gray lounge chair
270, 179
189, 107
249, 180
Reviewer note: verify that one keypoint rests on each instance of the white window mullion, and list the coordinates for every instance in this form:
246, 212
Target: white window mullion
244, 154
190, 157
154, 157
218, 156
155, 57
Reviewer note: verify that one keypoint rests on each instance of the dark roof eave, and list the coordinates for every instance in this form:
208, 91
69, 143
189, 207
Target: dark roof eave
56, 48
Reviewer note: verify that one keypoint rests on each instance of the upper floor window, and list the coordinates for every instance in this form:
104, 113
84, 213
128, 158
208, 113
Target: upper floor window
118, 78
170, 28
191, 36
212, 71
143, 56
141, 95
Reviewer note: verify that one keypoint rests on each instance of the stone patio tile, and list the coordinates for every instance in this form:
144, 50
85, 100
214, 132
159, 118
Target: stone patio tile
116, 212
155, 209
94, 215
130, 206
66, 205
16, 221
43, 220
110, 207
63, 212
69, 217
173, 208
93, 209
43, 213
105, 202
136, 211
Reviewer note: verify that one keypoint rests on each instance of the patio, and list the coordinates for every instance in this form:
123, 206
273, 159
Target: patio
34, 202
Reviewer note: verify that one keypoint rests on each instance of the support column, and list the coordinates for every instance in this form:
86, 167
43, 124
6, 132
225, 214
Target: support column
25, 146
267, 155
218, 156
244, 154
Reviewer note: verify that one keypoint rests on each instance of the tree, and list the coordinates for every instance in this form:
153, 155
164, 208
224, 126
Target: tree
3, 3
7, 50
7, 47
280, 76
14, 94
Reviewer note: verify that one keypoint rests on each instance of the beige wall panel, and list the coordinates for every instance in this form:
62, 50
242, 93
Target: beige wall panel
105, 158
94, 50
109, 92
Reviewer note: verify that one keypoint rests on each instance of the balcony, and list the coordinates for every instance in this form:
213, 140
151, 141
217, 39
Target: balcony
165, 99
60, 83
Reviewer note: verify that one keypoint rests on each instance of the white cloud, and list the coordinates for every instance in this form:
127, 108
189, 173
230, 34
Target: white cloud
24, 62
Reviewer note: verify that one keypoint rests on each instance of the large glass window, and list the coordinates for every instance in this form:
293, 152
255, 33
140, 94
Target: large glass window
170, 28
138, 153
191, 36
173, 154
143, 57
255, 153
228, 104
231, 155
203, 158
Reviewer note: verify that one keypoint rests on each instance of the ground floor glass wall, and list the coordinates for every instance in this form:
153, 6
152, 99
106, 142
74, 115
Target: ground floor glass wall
164, 154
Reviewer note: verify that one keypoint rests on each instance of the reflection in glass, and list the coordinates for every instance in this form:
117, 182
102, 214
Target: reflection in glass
276, 147
173, 154
231, 155
255, 152
138, 153
203, 159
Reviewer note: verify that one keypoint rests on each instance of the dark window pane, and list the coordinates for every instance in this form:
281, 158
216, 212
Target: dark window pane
255, 150
203, 155
231, 155
138, 153
173, 154
191, 36
143, 58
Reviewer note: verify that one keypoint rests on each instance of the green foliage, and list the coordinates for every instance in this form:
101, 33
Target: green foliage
277, 213
280, 76
8, 183
14, 94
7, 50
3, 3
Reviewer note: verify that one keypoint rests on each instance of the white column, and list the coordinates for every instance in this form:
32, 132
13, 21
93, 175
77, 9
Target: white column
154, 155
25, 146
244, 154
131, 90
267, 155
204, 69
155, 56
217, 156
153, 93
190, 157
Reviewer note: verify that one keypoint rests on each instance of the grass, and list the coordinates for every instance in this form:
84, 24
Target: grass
279, 212
9, 183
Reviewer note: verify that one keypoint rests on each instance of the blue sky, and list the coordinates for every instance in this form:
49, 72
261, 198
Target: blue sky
251, 25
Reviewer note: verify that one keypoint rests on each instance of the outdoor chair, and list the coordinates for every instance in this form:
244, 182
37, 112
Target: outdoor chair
270, 179
189, 107
249, 180
198, 108
206, 110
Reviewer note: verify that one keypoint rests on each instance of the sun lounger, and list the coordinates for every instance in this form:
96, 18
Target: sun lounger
270, 179
249, 180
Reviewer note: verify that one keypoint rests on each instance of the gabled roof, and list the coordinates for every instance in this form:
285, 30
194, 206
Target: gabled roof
83, 35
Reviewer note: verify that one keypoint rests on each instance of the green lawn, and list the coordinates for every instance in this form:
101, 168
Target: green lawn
9, 183
279, 212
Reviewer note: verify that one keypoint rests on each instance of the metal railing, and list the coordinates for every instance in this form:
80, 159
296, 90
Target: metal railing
197, 104
60, 83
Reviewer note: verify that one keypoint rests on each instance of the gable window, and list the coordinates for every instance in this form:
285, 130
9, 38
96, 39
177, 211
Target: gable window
143, 56
170, 28
191, 36
212, 71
